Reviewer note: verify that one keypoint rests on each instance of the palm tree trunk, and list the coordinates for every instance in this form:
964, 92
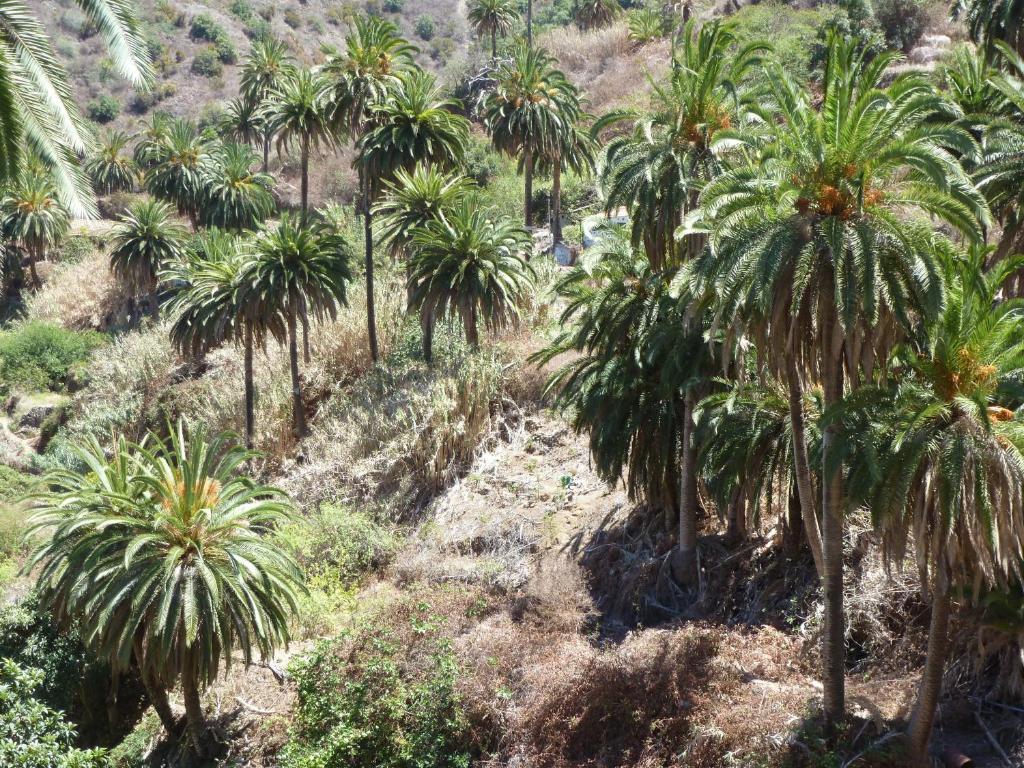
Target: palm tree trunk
266, 151
529, 23
528, 183
250, 390
736, 525
556, 202
306, 358
494, 44
834, 639
298, 409
472, 332
371, 312
305, 178
427, 324
685, 567
919, 732
802, 464
157, 696
32, 258
193, 708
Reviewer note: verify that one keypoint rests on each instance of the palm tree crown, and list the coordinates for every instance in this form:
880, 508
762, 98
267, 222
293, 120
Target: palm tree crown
236, 197
33, 216
493, 17
110, 168
145, 242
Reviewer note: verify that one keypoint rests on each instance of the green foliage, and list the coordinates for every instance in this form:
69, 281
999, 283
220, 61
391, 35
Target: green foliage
103, 109
425, 27
207, 63
145, 241
367, 698
393, 6
225, 50
38, 356
32, 735
902, 22
339, 544
204, 28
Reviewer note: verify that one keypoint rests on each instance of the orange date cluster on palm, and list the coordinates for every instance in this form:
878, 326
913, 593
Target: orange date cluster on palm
697, 132
839, 198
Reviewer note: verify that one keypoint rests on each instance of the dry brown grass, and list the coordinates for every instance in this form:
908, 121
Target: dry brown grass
81, 295
606, 65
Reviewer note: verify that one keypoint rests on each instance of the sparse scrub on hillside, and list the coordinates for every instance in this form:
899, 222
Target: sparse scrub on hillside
81, 294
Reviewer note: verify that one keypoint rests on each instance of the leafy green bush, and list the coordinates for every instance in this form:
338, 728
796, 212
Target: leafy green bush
241, 9
902, 22
380, 695
207, 63
425, 27
103, 109
39, 356
203, 27
292, 18
225, 51
33, 735
258, 29
393, 6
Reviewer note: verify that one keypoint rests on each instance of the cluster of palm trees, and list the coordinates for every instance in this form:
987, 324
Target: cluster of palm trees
806, 317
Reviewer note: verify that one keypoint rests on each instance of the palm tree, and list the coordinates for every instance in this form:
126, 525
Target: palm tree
37, 110
110, 169
616, 386
411, 202
162, 554
34, 218
267, 67
300, 272
592, 14
989, 21
817, 250
532, 107
243, 122
209, 308
236, 196
470, 266
950, 468
573, 151
296, 114
362, 77
145, 242
658, 169
493, 17
177, 161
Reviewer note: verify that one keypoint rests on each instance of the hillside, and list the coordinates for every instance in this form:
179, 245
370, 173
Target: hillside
652, 503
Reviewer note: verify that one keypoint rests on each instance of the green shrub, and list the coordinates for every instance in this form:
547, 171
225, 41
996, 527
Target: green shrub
902, 22
33, 735
481, 162
379, 697
134, 748
226, 53
241, 9
293, 18
258, 29
339, 544
425, 27
203, 27
39, 356
393, 6
66, 47
103, 109
207, 64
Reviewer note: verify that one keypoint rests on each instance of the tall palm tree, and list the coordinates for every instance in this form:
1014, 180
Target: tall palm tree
573, 150
295, 113
267, 67
163, 554
300, 272
236, 197
33, 217
950, 469
37, 109
493, 17
177, 160
616, 385
145, 242
658, 169
210, 308
530, 108
110, 168
816, 249
473, 267
361, 77
410, 202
